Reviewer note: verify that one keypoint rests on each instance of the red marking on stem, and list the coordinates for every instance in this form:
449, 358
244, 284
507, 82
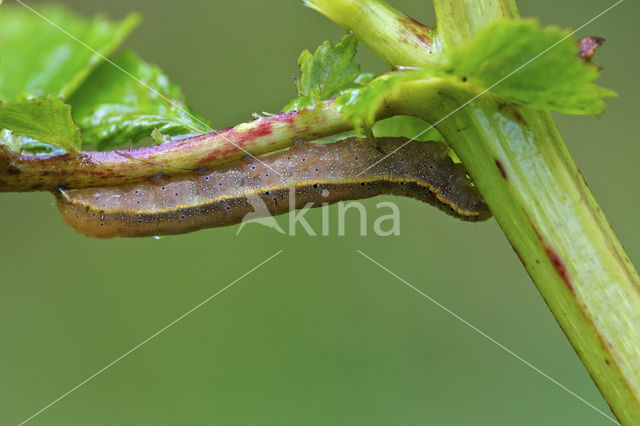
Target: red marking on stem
554, 258
418, 24
519, 256
288, 118
263, 128
219, 153
559, 266
501, 168
518, 116
420, 33
238, 139
513, 109
587, 47
225, 130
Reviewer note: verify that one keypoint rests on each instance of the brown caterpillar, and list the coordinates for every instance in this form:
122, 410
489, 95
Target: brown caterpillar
318, 173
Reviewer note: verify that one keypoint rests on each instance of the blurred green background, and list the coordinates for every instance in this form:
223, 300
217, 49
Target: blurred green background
319, 335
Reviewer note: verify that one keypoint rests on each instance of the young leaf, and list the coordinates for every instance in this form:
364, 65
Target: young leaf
114, 109
11, 142
397, 126
360, 105
327, 72
159, 137
329, 69
408, 127
47, 120
554, 80
535, 67
38, 59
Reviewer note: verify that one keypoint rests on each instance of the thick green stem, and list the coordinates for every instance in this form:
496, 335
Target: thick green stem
519, 162
459, 20
551, 219
377, 21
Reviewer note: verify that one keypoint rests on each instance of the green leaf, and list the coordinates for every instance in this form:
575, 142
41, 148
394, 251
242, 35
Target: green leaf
397, 126
159, 137
47, 120
11, 142
516, 60
113, 109
327, 72
408, 127
329, 69
549, 74
19, 144
360, 105
37, 59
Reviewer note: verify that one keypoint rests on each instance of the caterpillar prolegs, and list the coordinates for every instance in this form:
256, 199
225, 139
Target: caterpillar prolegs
315, 173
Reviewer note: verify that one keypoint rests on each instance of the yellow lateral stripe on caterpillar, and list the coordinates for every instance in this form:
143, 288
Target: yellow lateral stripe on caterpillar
314, 173
456, 208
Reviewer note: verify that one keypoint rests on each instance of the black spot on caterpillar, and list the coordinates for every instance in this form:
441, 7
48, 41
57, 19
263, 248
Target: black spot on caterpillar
317, 173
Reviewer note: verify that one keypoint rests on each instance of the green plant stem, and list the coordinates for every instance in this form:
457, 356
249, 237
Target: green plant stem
519, 162
459, 20
377, 21
86, 169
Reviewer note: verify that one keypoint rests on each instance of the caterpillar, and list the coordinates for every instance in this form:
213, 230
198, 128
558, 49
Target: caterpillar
313, 173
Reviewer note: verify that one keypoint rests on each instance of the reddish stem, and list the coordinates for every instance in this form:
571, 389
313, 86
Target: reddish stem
87, 169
